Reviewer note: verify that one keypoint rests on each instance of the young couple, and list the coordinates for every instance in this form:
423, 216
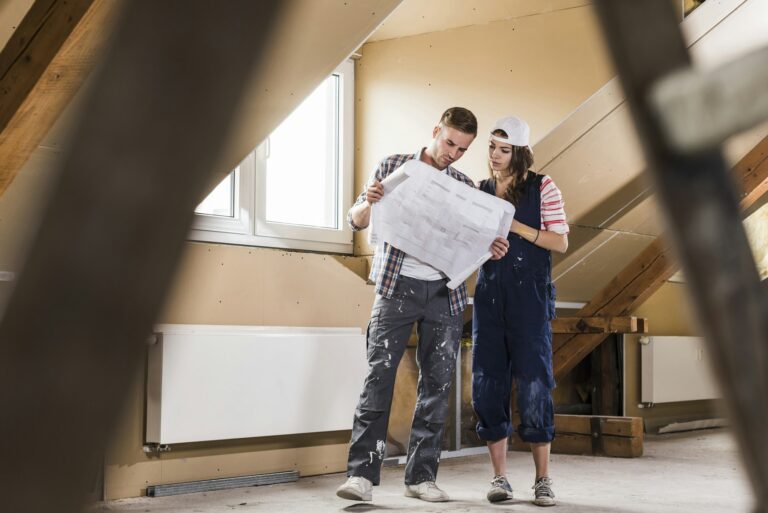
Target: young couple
512, 339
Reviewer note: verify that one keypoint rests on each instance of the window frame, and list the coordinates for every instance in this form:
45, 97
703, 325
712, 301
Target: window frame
250, 227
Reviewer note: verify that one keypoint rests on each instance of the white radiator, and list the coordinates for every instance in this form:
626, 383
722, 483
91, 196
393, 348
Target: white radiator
226, 382
676, 369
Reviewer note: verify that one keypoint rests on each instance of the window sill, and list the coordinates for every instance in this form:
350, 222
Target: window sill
270, 242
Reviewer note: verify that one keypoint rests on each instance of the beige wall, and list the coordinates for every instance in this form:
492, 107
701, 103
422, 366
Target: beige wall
219, 284
538, 67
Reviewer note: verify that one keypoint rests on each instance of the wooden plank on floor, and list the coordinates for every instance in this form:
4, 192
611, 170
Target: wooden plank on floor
598, 435
606, 445
609, 425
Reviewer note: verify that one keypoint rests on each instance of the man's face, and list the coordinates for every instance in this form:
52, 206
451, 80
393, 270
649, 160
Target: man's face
448, 145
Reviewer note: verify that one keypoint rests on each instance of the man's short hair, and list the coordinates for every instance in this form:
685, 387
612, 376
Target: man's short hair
461, 119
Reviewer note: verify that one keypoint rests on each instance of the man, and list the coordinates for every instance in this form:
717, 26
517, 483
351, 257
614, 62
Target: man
410, 291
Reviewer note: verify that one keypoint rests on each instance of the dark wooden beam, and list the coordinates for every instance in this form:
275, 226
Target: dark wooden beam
72, 335
752, 175
42, 66
625, 324
606, 378
701, 204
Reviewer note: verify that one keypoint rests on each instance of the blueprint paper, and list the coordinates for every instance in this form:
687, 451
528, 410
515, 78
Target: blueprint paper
439, 220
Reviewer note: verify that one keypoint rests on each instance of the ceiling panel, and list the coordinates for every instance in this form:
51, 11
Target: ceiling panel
642, 218
422, 16
589, 268
599, 173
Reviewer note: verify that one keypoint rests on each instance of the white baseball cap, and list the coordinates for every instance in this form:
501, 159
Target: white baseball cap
517, 130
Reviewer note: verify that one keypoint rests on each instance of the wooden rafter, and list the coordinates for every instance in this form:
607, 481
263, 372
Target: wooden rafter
42, 66
649, 270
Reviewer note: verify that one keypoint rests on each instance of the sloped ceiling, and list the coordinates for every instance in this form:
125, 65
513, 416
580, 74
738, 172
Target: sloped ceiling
610, 203
422, 16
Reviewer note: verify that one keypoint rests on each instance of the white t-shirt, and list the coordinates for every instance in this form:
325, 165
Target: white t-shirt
415, 268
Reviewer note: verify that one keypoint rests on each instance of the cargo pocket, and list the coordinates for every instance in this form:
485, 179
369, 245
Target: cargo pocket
373, 325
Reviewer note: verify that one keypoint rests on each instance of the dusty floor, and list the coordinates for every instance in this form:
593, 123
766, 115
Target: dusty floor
685, 472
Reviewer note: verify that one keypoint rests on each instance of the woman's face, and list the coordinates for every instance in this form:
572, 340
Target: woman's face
499, 155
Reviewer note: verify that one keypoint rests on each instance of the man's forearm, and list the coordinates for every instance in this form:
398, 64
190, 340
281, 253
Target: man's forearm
361, 214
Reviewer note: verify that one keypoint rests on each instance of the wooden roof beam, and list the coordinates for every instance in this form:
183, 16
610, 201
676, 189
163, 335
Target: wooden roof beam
649, 270
42, 66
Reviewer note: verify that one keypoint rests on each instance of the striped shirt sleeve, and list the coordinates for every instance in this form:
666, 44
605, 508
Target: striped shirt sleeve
552, 208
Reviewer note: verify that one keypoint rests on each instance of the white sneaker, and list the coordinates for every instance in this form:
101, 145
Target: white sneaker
356, 489
426, 491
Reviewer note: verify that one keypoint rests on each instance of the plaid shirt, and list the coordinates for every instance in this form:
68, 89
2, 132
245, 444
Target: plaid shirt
387, 261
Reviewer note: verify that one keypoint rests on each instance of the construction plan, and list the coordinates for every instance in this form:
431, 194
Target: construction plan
439, 220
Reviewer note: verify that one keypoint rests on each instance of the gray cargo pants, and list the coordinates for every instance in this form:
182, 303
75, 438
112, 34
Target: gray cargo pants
426, 304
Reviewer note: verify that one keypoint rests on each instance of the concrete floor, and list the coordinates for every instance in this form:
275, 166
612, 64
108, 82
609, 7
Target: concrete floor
693, 471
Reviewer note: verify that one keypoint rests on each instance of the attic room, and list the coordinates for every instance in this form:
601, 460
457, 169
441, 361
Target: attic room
186, 312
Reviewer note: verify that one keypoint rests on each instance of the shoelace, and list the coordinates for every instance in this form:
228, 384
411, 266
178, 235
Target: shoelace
499, 481
542, 487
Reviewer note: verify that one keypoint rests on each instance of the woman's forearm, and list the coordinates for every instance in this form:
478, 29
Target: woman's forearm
542, 238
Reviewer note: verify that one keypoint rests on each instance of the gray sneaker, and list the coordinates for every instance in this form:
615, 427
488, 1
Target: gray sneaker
356, 489
542, 489
500, 490
426, 491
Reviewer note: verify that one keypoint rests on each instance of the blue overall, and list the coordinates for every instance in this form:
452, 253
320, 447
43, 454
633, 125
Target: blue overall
514, 302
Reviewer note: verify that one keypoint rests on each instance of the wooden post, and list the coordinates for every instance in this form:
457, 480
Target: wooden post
701, 205
606, 379
73, 333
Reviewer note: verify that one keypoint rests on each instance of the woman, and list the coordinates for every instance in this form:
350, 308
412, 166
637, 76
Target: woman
514, 302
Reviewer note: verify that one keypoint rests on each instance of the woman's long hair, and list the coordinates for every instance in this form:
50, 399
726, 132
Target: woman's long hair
522, 161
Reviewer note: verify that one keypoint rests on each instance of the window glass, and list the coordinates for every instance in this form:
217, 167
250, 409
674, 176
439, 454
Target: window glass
302, 162
221, 201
